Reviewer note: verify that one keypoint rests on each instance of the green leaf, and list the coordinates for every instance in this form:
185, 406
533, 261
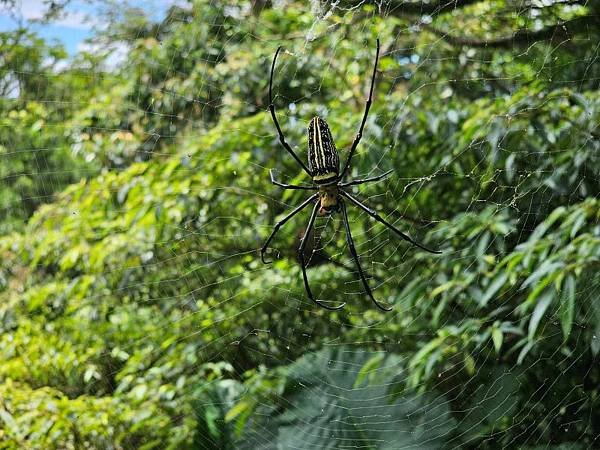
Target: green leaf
497, 337
371, 365
442, 288
237, 409
469, 364
595, 344
547, 267
567, 305
578, 223
524, 351
540, 308
493, 287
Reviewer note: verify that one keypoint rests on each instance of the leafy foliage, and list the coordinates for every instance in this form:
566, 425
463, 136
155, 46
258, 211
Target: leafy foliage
134, 312
35, 156
330, 397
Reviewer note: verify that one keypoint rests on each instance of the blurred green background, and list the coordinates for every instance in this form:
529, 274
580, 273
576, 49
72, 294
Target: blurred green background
134, 194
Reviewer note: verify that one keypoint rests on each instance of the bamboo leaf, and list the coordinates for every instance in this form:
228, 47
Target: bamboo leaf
539, 310
497, 338
567, 306
493, 287
524, 352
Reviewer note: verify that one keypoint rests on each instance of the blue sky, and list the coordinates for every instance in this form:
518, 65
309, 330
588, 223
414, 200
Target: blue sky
77, 24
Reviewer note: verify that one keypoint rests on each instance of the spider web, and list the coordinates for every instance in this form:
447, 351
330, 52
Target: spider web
137, 310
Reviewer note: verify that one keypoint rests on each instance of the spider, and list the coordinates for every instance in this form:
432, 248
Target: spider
328, 181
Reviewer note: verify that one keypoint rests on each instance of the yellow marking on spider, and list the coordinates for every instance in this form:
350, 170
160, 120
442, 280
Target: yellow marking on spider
321, 149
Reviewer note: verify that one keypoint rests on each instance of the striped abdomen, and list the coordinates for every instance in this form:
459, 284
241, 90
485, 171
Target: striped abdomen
323, 158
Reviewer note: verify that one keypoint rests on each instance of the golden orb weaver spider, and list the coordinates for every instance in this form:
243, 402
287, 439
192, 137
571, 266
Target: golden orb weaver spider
328, 181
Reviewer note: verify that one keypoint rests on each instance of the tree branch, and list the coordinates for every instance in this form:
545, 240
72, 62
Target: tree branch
432, 8
560, 31
425, 8
402, 8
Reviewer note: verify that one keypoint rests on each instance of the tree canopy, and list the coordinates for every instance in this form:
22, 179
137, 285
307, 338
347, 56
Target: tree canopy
135, 193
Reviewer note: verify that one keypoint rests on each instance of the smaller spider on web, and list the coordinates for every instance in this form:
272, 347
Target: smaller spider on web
328, 181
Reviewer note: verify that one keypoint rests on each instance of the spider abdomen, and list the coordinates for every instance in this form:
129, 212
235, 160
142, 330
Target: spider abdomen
323, 158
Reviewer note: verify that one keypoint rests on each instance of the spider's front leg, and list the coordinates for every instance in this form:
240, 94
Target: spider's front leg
364, 119
276, 122
366, 180
289, 186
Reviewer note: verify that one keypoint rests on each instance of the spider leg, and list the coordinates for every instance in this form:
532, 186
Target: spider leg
289, 186
377, 217
366, 180
364, 119
272, 109
355, 257
279, 224
301, 250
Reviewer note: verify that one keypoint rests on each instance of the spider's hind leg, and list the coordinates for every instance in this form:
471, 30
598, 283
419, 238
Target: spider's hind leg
301, 251
355, 257
377, 217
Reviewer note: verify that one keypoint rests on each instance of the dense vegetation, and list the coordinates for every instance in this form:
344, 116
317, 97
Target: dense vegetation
135, 312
